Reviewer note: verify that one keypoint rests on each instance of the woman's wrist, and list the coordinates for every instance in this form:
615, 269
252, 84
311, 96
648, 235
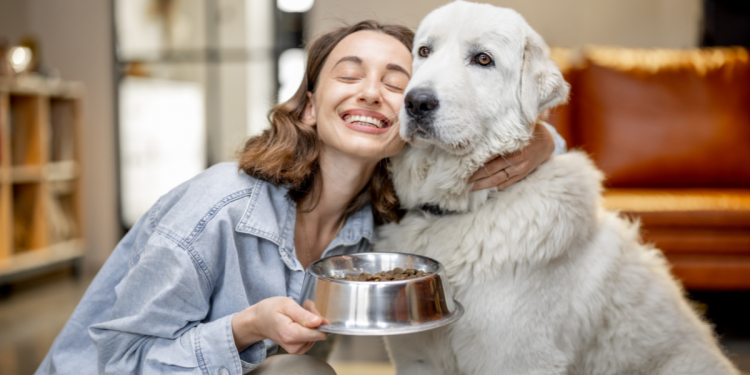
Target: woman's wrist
244, 328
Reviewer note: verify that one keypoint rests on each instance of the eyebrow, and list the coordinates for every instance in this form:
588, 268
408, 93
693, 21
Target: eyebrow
357, 60
398, 68
353, 59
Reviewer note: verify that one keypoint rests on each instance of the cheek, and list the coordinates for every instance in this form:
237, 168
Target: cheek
333, 95
394, 101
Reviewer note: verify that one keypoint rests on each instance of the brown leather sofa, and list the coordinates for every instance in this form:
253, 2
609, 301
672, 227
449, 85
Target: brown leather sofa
671, 131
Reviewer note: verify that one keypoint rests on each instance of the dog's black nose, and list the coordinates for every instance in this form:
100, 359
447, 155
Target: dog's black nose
420, 103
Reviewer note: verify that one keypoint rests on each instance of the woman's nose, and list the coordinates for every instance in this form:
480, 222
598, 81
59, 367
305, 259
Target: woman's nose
370, 95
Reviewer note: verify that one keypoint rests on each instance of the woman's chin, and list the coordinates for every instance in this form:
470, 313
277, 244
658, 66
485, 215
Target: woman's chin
367, 148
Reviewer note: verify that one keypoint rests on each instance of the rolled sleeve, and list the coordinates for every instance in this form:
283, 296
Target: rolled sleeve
215, 348
561, 146
253, 356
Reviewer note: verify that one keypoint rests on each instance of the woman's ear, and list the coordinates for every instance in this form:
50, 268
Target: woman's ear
308, 115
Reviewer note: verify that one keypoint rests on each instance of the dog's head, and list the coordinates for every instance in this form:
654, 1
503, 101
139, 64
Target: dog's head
481, 77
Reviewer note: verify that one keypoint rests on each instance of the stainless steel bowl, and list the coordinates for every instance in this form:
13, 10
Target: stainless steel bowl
379, 308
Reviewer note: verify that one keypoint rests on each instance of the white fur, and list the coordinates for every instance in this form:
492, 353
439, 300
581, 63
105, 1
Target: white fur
551, 282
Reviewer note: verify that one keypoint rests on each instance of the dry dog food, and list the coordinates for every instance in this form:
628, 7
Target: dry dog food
394, 274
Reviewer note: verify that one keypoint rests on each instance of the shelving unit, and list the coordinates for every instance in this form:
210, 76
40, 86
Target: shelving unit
40, 182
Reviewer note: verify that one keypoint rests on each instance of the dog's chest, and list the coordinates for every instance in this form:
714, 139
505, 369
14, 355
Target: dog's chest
506, 301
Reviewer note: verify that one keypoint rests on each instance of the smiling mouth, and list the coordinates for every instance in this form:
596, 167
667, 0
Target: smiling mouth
366, 121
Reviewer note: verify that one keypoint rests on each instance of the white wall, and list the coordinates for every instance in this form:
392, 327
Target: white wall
565, 23
76, 38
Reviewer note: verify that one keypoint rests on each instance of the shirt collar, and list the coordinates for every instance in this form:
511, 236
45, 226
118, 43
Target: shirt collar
271, 213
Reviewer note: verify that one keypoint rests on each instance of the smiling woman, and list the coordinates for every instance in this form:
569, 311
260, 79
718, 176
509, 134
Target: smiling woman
358, 75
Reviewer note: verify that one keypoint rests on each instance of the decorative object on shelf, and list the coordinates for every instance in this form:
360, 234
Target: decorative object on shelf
20, 58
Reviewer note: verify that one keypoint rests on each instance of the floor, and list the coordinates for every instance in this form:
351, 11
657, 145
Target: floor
32, 313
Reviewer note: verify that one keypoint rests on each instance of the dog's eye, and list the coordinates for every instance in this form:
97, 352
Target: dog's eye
483, 59
424, 51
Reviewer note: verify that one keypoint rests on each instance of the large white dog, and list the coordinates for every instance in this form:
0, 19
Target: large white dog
552, 283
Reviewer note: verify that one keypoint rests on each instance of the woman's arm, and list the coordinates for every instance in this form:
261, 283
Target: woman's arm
156, 323
505, 170
159, 321
280, 319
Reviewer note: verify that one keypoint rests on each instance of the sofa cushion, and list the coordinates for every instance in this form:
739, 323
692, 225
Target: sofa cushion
665, 118
711, 272
689, 221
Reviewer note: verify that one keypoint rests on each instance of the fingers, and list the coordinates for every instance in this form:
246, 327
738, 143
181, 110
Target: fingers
280, 319
490, 168
297, 334
300, 315
310, 306
505, 171
299, 329
298, 348
510, 181
520, 170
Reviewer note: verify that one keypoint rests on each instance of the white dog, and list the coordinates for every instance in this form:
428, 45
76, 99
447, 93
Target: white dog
552, 283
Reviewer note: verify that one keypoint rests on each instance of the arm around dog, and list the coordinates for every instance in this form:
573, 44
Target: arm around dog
505, 170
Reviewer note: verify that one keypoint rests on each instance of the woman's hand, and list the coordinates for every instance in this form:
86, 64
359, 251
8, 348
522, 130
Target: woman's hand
280, 319
504, 171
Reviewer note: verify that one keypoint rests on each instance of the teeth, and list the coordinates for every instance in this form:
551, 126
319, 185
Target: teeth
365, 120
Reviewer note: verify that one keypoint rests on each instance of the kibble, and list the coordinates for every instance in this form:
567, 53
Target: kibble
395, 274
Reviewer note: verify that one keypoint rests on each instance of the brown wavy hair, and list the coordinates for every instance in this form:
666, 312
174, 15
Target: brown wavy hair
287, 153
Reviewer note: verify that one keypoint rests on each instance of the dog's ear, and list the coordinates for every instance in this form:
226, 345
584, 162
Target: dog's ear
542, 84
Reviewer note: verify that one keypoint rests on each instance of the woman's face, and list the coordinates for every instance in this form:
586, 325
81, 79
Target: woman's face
359, 94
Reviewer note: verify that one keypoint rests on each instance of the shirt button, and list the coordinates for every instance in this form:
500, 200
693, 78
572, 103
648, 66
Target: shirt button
223, 371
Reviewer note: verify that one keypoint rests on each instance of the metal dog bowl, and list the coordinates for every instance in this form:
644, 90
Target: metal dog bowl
380, 308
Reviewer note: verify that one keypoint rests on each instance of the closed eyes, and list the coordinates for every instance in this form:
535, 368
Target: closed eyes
394, 87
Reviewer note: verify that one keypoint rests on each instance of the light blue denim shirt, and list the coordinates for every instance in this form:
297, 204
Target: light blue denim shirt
561, 146
164, 300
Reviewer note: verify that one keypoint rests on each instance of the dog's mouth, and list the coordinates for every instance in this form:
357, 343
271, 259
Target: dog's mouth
421, 136
424, 134
364, 117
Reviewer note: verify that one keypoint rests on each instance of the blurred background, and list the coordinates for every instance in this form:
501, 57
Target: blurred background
107, 105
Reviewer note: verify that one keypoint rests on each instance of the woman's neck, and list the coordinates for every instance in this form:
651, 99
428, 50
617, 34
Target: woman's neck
342, 178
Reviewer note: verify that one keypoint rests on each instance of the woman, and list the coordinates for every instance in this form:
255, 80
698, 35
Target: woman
202, 283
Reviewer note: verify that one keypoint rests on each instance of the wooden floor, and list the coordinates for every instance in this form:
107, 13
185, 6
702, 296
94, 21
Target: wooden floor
33, 313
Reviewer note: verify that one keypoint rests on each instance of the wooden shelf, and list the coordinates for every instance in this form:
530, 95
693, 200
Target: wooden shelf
55, 171
39, 260
62, 170
41, 224
36, 85
26, 173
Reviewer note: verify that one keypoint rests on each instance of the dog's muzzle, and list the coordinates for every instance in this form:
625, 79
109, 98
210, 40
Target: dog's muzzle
421, 105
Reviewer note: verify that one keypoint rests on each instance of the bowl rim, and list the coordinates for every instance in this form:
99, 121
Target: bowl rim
311, 272
402, 330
